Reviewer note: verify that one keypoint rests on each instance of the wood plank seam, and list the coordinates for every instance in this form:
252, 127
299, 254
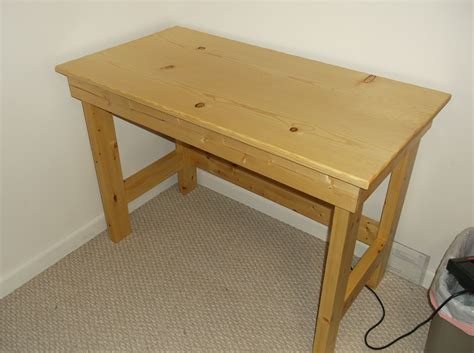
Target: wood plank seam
306, 119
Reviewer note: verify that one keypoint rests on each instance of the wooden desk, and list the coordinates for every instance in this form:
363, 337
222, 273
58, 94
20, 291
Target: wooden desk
314, 137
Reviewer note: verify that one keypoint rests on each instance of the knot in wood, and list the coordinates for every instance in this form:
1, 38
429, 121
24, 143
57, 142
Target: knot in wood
369, 78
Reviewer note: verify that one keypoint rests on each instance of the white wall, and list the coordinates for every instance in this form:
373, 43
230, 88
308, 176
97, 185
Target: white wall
472, 107
50, 197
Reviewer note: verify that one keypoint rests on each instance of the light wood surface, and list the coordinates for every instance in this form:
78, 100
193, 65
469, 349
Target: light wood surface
346, 124
100, 126
363, 270
310, 181
295, 200
396, 192
150, 176
342, 241
187, 178
313, 137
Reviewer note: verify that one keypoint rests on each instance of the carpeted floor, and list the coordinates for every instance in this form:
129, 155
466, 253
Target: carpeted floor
200, 273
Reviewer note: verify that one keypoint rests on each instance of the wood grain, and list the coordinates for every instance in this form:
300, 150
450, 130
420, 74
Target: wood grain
396, 192
150, 176
311, 136
310, 181
100, 126
336, 275
346, 124
187, 178
295, 200
363, 270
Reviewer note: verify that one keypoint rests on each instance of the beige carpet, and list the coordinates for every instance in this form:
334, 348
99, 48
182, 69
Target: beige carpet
200, 273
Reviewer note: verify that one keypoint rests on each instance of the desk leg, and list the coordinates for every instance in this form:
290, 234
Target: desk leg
338, 267
187, 178
397, 189
100, 126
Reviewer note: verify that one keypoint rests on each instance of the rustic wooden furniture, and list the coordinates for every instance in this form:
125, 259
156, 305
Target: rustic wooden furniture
314, 137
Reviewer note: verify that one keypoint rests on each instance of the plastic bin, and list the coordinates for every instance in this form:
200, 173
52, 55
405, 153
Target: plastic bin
452, 330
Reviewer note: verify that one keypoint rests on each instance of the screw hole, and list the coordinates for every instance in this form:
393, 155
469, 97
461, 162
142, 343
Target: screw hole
293, 129
201, 48
199, 105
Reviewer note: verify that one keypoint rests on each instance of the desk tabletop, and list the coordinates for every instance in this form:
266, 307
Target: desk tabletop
346, 124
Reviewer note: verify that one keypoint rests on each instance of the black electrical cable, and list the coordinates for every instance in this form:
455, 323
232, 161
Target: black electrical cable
411, 331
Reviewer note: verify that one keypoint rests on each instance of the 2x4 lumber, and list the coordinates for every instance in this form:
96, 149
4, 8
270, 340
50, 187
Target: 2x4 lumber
103, 140
302, 203
263, 186
397, 189
361, 273
336, 274
150, 176
187, 178
292, 174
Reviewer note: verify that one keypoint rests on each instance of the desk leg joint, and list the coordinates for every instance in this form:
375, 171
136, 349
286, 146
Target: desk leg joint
392, 209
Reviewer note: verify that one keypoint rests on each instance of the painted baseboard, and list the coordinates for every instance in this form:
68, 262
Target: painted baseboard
428, 279
19, 276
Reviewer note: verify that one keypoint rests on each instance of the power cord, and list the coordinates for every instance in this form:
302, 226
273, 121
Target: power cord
411, 331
